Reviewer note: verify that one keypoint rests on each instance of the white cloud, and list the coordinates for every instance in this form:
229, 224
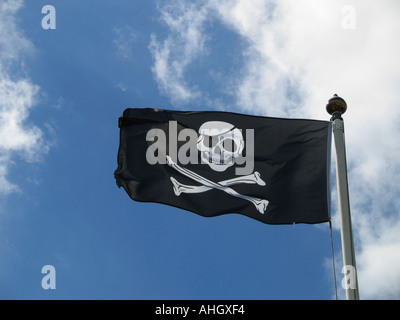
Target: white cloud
184, 44
379, 258
299, 54
12, 42
124, 39
268, 76
17, 97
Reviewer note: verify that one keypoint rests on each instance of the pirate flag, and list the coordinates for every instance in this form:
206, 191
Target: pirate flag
211, 163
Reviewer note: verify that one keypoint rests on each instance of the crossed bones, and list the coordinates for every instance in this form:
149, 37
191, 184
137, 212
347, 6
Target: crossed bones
255, 178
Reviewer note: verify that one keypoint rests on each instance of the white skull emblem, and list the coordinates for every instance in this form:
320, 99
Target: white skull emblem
219, 143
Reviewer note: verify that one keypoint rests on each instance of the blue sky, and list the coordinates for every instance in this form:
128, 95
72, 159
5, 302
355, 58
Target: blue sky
63, 90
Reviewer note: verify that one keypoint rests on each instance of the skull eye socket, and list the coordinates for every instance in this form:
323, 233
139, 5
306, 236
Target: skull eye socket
210, 141
229, 145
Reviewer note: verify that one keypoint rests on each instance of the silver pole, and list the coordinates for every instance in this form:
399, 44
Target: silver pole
336, 107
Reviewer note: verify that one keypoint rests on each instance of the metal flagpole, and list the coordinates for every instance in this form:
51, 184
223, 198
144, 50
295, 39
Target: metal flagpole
336, 107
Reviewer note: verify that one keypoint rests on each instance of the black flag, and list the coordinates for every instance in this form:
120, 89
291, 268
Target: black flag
271, 169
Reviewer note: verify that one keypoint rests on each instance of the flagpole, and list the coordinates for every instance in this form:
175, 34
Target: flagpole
336, 107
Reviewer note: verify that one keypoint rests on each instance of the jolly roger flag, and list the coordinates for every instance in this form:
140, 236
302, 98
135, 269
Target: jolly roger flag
211, 163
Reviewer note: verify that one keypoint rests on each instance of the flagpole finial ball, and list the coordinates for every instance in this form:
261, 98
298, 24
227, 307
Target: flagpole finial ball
336, 104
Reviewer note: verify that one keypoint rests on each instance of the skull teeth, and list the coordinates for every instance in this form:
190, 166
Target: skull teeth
218, 161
